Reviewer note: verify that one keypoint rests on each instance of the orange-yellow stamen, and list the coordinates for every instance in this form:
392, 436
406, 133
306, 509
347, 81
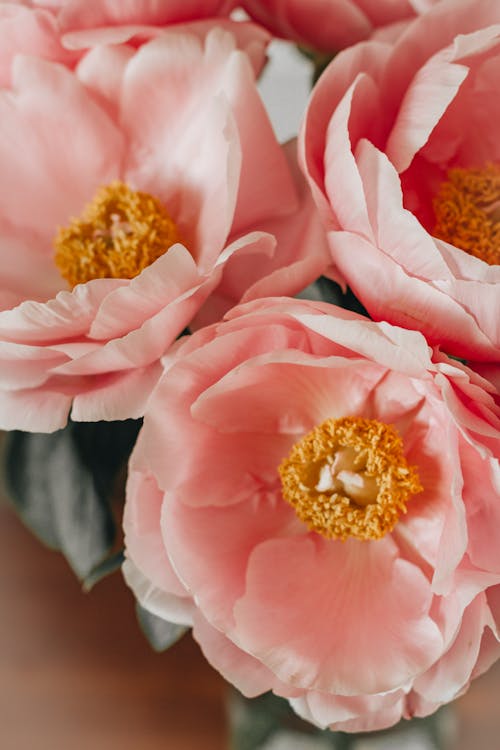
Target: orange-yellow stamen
118, 234
467, 211
349, 478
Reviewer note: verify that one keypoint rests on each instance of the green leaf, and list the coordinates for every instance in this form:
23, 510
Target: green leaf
160, 633
62, 486
108, 566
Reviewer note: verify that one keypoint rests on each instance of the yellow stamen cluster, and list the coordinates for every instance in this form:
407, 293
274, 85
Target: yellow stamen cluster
467, 211
373, 452
121, 232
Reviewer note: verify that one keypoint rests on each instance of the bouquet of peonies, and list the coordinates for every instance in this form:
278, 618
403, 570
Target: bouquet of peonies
313, 481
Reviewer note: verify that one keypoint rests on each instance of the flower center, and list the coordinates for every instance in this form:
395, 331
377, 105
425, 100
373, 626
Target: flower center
120, 232
349, 478
467, 210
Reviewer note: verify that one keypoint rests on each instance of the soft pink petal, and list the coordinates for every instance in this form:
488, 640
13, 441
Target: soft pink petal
65, 318
481, 492
395, 230
47, 100
287, 394
142, 526
81, 14
161, 283
416, 302
266, 188
187, 155
26, 273
23, 366
326, 96
24, 31
209, 547
301, 253
430, 33
175, 394
363, 713
250, 676
320, 24
251, 39
116, 396
101, 70
340, 168
166, 606
431, 91
452, 673
141, 346
342, 650
404, 351
40, 410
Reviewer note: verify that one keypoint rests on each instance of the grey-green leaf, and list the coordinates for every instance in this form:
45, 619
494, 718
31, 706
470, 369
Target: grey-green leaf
160, 633
62, 484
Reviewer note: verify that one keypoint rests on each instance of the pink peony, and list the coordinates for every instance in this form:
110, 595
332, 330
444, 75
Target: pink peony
62, 30
330, 25
401, 149
167, 148
364, 585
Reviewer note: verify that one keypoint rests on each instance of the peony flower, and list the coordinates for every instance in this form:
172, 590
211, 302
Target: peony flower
62, 30
314, 493
331, 25
401, 151
131, 183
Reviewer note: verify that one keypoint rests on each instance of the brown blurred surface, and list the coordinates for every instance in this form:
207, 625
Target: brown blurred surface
77, 674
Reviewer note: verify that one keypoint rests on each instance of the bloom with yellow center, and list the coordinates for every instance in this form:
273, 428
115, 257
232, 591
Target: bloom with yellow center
349, 477
467, 211
120, 232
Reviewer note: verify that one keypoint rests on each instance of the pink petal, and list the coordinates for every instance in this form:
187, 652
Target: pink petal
209, 547
251, 39
481, 491
101, 70
40, 410
46, 100
318, 24
169, 607
81, 14
142, 526
33, 275
175, 394
340, 168
24, 31
446, 680
249, 675
187, 155
301, 253
363, 713
432, 90
286, 394
66, 317
25, 366
395, 230
116, 396
413, 300
130, 305
364, 635
326, 96
266, 188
